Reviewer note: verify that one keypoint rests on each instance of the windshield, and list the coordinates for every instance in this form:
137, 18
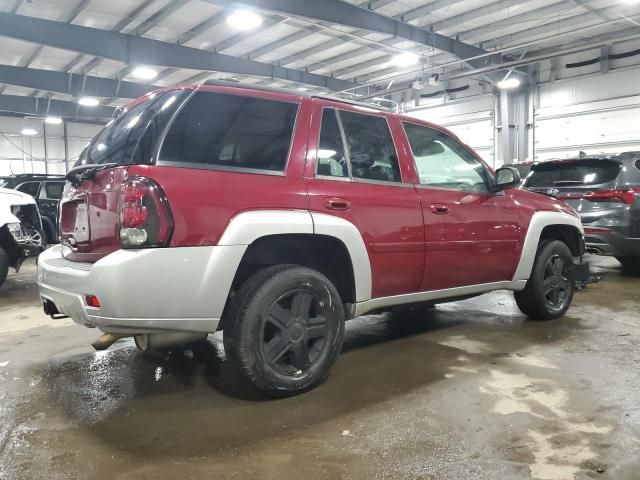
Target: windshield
132, 137
573, 173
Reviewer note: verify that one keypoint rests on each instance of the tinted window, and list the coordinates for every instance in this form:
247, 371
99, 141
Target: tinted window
638, 164
573, 172
231, 131
443, 162
332, 161
132, 137
30, 188
52, 190
371, 150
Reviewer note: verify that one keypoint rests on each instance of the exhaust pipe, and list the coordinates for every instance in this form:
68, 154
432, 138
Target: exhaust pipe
106, 340
157, 341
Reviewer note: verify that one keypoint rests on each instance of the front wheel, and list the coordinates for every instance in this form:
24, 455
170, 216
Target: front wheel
549, 290
285, 330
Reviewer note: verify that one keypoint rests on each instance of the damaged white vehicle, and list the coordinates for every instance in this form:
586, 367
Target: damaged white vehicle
20, 230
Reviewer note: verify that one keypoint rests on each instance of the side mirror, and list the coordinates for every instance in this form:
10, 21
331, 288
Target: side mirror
507, 177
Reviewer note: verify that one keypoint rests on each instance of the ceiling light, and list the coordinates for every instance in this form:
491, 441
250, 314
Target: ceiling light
508, 83
244, 20
405, 59
88, 101
53, 120
29, 131
144, 73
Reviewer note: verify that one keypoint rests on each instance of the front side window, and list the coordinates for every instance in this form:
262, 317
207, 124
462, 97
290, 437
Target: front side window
371, 150
442, 162
30, 188
230, 131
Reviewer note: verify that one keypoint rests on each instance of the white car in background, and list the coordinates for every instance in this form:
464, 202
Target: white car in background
20, 230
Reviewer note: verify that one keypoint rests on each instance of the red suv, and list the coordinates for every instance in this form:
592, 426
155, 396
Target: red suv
276, 216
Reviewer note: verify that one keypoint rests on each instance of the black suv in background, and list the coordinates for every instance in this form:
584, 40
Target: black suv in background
605, 190
47, 190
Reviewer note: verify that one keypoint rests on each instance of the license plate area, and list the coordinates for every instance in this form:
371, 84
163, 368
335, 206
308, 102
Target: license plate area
75, 227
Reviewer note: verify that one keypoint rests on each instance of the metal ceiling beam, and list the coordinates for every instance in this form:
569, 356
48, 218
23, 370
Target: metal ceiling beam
343, 13
71, 84
130, 49
116, 28
19, 105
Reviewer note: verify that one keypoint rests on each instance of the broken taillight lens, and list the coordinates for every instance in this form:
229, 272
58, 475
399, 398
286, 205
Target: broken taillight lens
145, 217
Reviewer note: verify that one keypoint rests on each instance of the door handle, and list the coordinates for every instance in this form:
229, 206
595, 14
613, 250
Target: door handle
439, 209
337, 203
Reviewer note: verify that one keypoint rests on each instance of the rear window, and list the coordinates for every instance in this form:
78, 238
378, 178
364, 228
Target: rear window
231, 132
52, 190
132, 137
570, 173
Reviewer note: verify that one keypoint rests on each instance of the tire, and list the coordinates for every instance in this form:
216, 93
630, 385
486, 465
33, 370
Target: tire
285, 330
630, 265
550, 288
4, 266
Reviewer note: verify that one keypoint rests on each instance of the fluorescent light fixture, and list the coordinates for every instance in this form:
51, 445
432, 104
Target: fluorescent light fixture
53, 120
405, 59
88, 101
244, 20
508, 83
29, 131
326, 153
144, 73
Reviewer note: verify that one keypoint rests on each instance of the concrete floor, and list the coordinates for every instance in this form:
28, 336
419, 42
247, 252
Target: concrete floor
469, 390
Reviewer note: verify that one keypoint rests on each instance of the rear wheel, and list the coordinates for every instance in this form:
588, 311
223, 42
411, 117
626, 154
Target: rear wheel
549, 290
630, 265
285, 330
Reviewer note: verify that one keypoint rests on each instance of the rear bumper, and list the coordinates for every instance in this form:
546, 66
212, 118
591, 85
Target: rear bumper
142, 291
612, 244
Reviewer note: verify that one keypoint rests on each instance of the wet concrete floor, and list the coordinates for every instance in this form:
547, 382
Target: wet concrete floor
469, 390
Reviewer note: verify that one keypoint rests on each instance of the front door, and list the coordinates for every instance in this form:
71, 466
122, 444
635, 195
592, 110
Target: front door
357, 176
480, 235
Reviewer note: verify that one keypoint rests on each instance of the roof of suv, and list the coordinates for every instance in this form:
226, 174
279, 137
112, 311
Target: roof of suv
620, 158
298, 93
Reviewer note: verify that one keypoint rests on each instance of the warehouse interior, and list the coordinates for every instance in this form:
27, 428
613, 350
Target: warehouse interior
464, 390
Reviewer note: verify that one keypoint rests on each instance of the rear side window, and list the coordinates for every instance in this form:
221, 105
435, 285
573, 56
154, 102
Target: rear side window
638, 164
573, 172
371, 149
229, 131
332, 160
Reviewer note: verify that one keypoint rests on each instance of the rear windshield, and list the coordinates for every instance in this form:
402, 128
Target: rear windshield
573, 173
132, 137
231, 132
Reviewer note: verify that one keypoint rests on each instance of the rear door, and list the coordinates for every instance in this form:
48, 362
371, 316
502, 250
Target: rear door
479, 239
48, 200
356, 174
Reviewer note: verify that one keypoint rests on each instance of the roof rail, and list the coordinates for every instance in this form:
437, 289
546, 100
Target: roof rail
260, 88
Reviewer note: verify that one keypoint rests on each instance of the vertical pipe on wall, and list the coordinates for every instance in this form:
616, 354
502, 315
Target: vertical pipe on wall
66, 147
505, 134
46, 156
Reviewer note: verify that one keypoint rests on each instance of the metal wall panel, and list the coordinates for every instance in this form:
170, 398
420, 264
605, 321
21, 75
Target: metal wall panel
597, 114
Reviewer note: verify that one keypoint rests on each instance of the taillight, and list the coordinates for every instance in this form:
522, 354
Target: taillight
627, 196
145, 217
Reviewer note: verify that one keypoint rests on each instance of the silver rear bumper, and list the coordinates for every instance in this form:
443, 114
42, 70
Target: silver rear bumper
142, 291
